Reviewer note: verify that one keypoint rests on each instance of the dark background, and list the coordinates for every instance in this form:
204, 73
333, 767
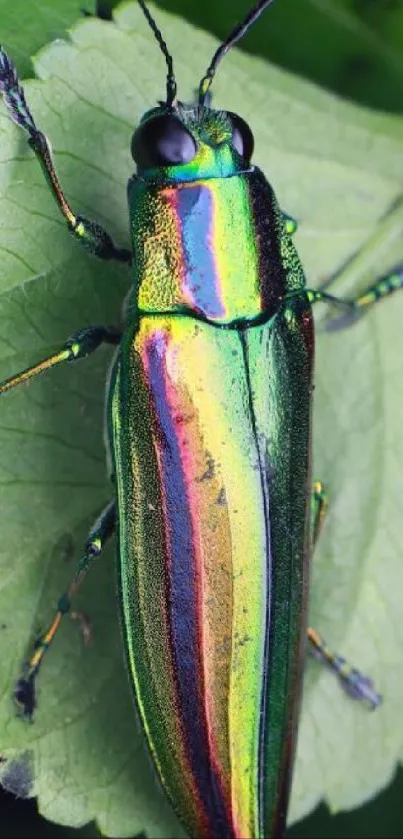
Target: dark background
354, 51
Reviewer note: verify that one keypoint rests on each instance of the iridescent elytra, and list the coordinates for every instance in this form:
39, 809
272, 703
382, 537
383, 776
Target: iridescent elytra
209, 429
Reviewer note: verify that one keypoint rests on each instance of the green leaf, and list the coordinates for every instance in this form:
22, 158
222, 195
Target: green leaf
26, 27
338, 170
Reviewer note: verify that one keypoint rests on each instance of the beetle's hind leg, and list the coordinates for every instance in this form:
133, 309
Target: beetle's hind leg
99, 535
91, 234
353, 682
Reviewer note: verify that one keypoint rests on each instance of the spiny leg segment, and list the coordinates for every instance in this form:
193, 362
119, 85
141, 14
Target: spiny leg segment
82, 343
383, 287
91, 234
353, 682
99, 535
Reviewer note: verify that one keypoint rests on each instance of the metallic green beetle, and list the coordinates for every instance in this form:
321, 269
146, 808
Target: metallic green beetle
209, 421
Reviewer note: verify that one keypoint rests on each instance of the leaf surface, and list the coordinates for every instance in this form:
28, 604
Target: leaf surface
25, 27
339, 171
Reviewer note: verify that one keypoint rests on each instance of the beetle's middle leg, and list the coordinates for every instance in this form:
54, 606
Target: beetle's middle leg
82, 343
91, 234
352, 680
100, 534
383, 287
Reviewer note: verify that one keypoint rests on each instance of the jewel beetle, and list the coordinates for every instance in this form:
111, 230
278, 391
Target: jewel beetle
209, 444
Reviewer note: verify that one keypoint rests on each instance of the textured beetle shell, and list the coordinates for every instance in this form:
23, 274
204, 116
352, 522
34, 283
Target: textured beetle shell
209, 417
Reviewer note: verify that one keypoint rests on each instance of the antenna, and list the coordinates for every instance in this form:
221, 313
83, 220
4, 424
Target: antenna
171, 81
237, 33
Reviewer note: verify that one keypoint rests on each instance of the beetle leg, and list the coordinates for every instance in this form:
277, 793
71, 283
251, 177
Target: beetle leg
79, 345
320, 504
91, 234
354, 307
100, 533
353, 682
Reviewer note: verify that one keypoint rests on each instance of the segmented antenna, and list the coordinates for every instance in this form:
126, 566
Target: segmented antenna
237, 33
171, 81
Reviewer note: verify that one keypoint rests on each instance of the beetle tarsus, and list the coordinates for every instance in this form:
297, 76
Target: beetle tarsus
360, 687
24, 696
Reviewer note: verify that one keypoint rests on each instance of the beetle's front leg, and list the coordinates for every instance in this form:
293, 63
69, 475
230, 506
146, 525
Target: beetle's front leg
91, 234
353, 682
99, 535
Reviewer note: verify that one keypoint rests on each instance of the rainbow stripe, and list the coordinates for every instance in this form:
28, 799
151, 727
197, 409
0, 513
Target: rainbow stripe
192, 258
198, 574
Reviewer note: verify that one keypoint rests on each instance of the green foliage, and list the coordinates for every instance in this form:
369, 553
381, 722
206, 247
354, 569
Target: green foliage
338, 170
27, 26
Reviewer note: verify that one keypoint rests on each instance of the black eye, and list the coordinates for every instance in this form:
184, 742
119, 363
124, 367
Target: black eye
162, 141
242, 137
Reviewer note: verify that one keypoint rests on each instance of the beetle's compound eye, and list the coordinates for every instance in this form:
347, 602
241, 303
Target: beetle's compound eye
242, 137
162, 141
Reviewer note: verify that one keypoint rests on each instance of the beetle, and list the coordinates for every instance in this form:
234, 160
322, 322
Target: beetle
209, 437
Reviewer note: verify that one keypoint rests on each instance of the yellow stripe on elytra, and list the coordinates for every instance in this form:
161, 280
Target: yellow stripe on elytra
237, 265
207, 362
